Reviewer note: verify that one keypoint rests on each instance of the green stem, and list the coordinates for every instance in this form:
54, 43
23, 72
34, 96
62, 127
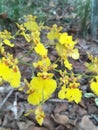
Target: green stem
17, 33
29, 52
83, 75
56, 60
25, 63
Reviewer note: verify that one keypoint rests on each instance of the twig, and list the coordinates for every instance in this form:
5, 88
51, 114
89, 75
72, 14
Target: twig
57, 100
6, 98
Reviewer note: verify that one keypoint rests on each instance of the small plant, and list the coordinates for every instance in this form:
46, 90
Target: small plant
45, 82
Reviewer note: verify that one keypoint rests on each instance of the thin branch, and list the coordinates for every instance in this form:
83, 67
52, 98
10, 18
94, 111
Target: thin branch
6, 98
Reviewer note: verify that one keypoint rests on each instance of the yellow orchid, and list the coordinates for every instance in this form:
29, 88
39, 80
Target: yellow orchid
30, 23
74, 54
31, 26
54, 32
30, 17
36, 37
74, 94
26, 36
94, 85
66, 40
21, 27
41, 50
41, 88
67, 64
5, 37
15, 77
7, 42
93, 65
62, 92
71, 94
9, 72
39, 115
5, 71
63, 37
43, 64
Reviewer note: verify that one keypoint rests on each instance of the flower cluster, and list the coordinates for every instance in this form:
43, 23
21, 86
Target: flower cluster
94, 85
92, 66
49, 75
5, 37
39, 115
69, 88
65, 49
43, 84
9, 71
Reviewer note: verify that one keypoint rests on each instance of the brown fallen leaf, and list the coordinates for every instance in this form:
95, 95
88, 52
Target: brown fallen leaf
60, 127
32, 127
9, 122
86, 124
25, 125
49, 122
60, 107
60, 119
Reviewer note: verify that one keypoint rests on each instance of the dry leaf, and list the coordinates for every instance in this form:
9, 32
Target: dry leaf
32, 127
61, 119
48, 122
86, 124
60, 107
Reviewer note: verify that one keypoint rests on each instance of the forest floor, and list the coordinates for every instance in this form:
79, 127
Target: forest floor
60, 114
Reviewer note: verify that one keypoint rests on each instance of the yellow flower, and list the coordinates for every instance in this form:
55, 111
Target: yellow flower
61, 50
54, 32
62, 92
34, 98
41, 89
75, 54
9, 72
66, 40
5, 35
41, 50
31, 25
67, 64
26, 36
7, 42
71, 94
5, 72
20, 26
36, 37
94, 87
39, 115
15, 77
30, 17
45, 75
42, 64
63, 37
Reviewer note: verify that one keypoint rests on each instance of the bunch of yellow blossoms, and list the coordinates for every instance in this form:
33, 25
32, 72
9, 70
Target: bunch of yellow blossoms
93, 67
9, 71
69, 87
44, 83
65, 49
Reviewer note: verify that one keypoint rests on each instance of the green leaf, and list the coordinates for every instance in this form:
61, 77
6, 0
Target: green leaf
96, 101
89, 95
